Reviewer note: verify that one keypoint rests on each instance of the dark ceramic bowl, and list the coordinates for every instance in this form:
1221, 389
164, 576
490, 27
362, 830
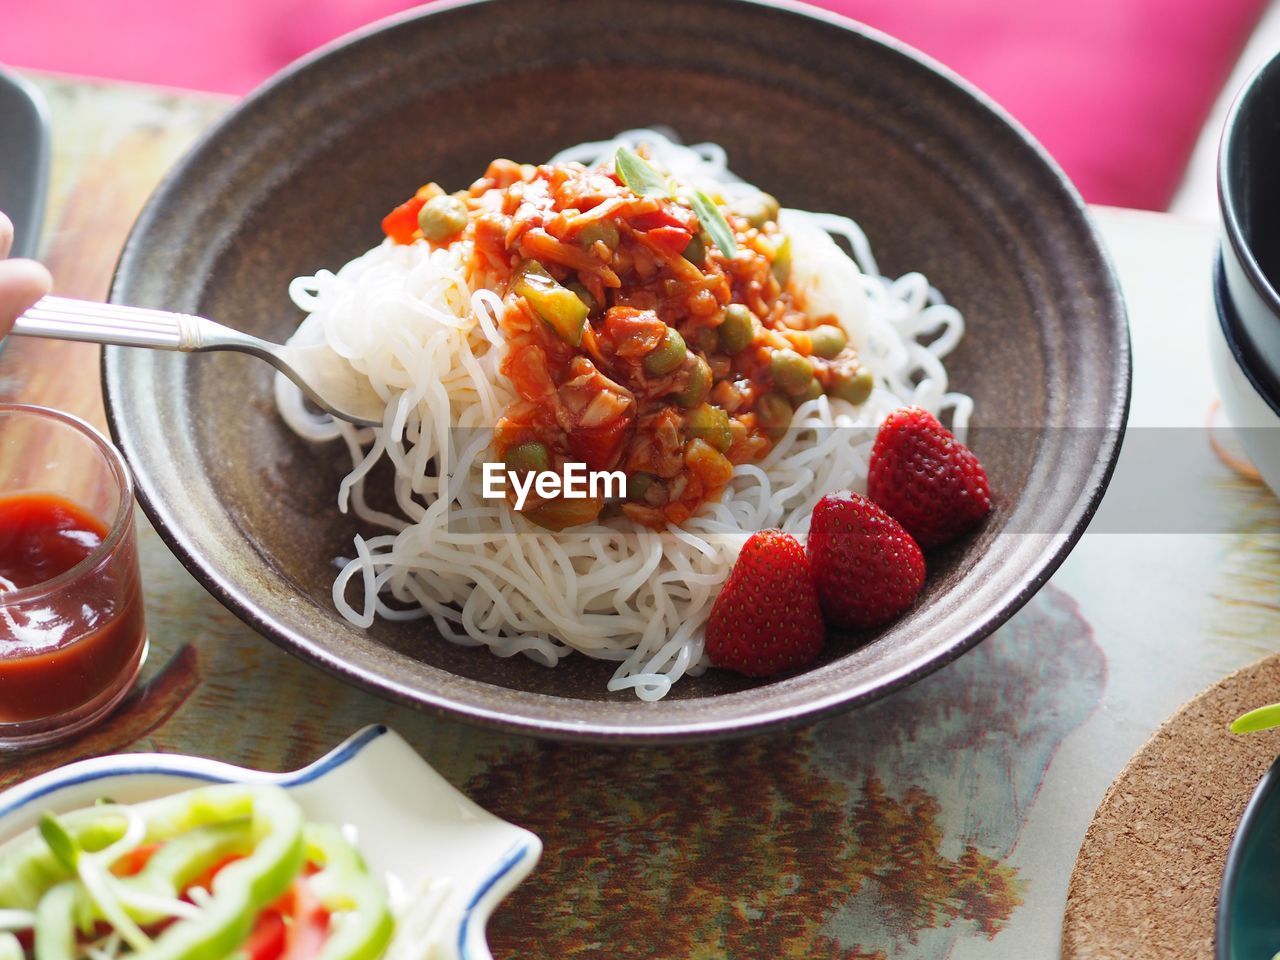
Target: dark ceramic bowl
823, 113
1249, 199
1248, 924
24, 174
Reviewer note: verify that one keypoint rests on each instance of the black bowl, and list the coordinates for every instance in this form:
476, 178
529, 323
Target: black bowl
1249, 199
823, 113
1248, 924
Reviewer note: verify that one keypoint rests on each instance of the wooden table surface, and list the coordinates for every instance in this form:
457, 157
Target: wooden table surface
941, 821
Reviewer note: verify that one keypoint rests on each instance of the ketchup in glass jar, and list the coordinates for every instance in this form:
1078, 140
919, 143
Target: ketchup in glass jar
72, 627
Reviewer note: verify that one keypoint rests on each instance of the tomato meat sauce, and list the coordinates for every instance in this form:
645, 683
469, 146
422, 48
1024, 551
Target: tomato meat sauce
61, 650
634, 342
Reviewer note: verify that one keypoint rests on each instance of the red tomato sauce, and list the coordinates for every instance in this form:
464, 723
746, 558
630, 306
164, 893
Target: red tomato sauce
64, 649
634, 342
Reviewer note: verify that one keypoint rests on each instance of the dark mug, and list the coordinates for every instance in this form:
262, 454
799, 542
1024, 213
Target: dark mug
1248, 281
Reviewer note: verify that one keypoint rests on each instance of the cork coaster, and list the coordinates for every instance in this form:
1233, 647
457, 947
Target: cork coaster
1145, 884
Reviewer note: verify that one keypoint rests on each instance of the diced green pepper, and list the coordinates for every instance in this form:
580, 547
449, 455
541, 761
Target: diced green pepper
696, 250
528, 457
55, 932
583, 294
242, 889
187, 857
638, 485
558, 306
782, 263
711, 424
558, 514
31, 868
602, 231
344, 884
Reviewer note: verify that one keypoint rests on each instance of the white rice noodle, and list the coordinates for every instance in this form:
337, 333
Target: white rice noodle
409, 319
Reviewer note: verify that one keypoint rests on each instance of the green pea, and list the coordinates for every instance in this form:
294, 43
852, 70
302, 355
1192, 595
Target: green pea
758, 210
698, 385
854, 387
738, 328
773, 410
791, 372
782, 262
828, 340
811, 392
638, 485
668, 355
696, 251
528, 457
711, 424
442, 217
601, 230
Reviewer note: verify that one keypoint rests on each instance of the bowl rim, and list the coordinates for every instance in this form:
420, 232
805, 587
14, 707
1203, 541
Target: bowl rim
1228, 201
1269, 783
639, 730
1242, 351
73, 774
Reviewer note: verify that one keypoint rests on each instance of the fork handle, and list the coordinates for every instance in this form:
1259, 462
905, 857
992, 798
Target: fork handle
66, 319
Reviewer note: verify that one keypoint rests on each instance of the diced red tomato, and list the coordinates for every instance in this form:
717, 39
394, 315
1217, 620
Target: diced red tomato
309, 927
668, 215
295, 927
133, 862
402, 222
267, 940
633, 333
669, 240
599, 446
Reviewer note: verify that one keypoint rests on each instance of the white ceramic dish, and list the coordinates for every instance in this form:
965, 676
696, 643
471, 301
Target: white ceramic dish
409, 822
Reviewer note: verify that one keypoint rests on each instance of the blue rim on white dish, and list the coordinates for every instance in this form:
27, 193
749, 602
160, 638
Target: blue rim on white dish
373, 782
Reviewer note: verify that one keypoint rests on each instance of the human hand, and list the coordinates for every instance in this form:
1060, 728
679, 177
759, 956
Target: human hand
22, 282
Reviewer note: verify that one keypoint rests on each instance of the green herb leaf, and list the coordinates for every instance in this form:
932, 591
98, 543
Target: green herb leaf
1264, 718
714, 223
62, 844
639, 175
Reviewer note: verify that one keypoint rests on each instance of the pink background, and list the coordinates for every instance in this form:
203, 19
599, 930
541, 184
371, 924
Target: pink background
1117, 90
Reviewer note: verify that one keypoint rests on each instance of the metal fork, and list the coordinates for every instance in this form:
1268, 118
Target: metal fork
325, 377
